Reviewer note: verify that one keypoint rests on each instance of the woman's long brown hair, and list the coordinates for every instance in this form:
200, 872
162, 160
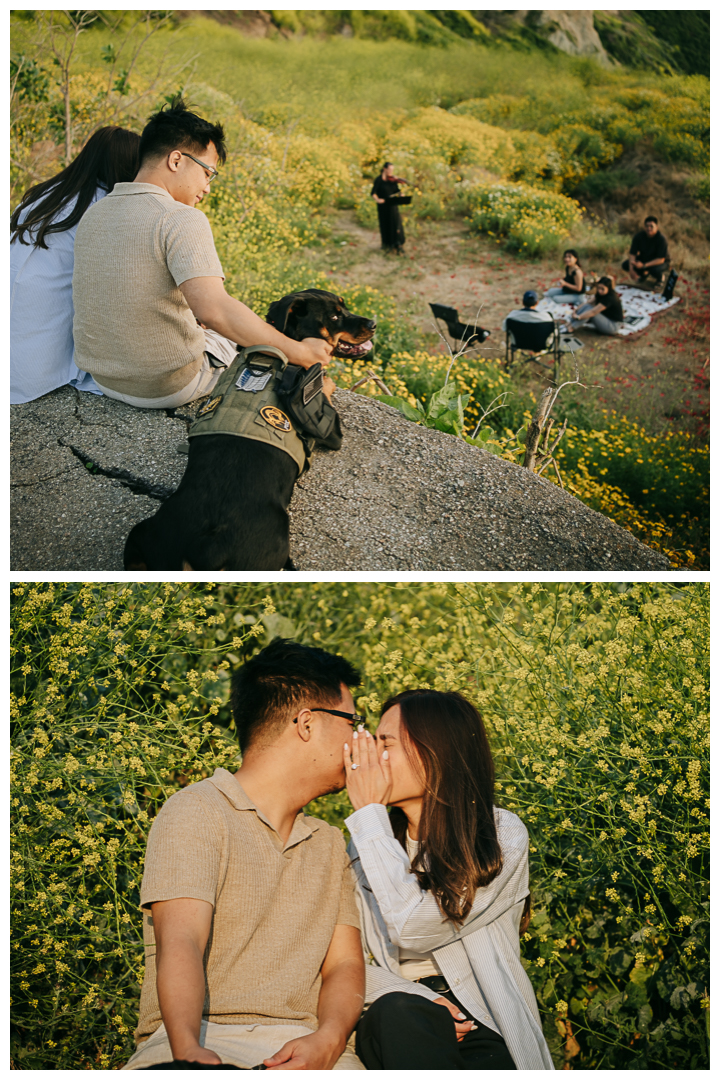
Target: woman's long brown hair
458, 848
610, 286
109, 157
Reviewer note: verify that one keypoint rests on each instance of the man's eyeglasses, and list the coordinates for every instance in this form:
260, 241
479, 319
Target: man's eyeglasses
353, 718
208, 168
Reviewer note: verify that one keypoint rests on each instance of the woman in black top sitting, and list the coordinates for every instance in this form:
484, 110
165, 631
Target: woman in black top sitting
605, 315
571, 288
391, 230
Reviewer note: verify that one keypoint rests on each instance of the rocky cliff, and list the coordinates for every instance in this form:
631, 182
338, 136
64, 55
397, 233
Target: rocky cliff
572, 32
396, 497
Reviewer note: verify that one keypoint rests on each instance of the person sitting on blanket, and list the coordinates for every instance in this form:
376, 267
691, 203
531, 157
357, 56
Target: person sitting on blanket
605, 315
571, 288
529, 312
648, 253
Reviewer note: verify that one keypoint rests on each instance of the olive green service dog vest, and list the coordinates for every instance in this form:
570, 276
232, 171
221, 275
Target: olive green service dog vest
245, 402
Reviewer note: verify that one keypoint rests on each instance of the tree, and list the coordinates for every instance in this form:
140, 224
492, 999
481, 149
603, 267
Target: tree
44, 89
64, 28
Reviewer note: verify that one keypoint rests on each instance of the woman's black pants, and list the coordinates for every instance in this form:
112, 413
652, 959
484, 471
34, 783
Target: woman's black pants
406, 1031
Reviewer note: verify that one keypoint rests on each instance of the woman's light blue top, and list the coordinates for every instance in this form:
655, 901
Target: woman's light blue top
480, 959
41, 315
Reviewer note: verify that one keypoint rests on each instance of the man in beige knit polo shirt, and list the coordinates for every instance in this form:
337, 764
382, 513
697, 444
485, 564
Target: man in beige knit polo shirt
153, 323
252, 942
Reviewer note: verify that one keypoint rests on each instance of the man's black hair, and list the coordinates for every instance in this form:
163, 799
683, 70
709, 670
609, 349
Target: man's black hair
283, 677
174, 127
651, 218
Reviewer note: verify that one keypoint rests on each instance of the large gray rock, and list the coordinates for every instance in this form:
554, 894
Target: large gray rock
396, 497
400, 497
84, 470
572, 32
72, 520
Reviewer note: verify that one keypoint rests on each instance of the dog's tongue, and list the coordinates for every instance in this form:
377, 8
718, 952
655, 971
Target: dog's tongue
345, 348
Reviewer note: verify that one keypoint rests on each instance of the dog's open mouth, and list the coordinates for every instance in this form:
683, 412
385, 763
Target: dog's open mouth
349, 350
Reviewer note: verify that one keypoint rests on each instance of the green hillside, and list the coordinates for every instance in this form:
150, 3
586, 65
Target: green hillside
676, 41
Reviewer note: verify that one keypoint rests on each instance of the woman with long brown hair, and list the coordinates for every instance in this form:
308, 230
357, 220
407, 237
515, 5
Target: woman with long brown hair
571, 288
443, 893
605, 315
42, 244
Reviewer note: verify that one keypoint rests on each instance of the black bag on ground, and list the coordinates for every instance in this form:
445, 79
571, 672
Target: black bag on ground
669, 289
300, 391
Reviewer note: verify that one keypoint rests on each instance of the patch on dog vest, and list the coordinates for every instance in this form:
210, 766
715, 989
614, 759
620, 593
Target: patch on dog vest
275, 418
313, 388
253, 381
209, 406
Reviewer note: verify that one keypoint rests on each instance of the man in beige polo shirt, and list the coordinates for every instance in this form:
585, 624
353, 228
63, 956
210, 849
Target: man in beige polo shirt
153, 322
252, 946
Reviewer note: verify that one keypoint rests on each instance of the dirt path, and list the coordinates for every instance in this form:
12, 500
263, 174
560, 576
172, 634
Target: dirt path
657, 377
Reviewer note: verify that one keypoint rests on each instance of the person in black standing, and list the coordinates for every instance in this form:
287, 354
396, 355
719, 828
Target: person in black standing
648, 253
392, 234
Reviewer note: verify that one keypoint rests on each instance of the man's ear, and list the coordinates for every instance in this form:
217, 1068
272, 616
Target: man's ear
303, 723
173, 160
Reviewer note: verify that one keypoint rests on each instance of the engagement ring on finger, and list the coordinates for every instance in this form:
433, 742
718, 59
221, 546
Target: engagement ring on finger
354, 765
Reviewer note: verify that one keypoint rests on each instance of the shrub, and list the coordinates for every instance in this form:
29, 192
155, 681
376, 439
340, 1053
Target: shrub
535, 233
531, 220
656, 486
660, 472
687, 34
256, 241
664, 477
603, 184
586, 136
108, 719
699, 188
684, 543
416, 375
444, 411
530, 158
456, 140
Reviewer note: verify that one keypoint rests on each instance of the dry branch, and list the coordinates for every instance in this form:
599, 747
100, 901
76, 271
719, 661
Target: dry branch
370, 377
540, 427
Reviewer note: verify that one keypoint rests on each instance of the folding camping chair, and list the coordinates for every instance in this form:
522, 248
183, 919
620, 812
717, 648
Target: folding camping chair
538, 338
467, 335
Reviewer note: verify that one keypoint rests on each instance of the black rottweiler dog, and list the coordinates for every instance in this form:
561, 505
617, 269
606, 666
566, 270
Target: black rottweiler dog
230, 509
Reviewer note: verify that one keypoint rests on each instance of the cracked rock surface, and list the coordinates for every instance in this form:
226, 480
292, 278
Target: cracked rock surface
66, 516
396, 497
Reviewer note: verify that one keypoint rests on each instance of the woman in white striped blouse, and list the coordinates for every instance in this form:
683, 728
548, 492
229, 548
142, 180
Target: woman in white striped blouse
442, 883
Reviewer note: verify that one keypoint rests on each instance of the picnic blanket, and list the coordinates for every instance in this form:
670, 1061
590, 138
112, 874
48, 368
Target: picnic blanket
638, 308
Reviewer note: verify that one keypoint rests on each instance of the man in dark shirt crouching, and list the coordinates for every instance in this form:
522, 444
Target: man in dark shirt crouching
648, 254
